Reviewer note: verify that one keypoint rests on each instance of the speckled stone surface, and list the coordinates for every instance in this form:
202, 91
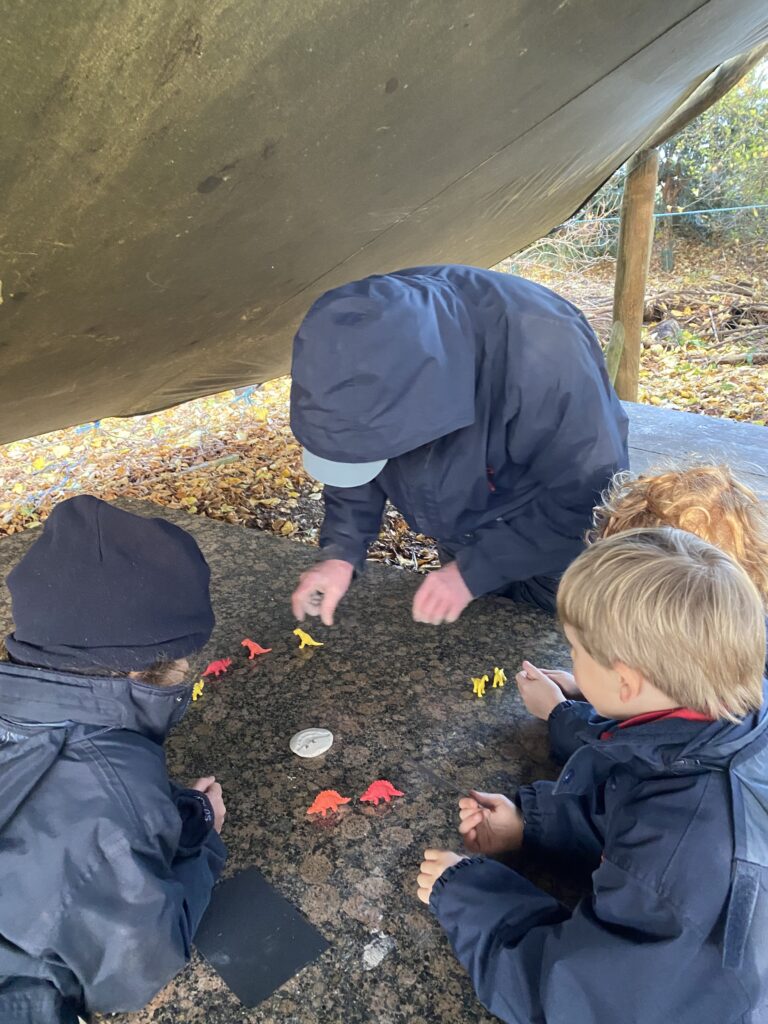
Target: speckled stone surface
398, 699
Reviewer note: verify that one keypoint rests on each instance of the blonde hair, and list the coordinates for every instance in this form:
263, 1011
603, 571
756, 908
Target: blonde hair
675, 608
706, 500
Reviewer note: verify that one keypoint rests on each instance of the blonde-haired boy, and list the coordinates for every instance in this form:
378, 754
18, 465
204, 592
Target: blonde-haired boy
665, 799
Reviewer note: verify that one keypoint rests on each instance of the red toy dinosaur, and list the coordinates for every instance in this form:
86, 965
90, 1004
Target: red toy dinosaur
217, 668
254, 649
327, 800
380, 790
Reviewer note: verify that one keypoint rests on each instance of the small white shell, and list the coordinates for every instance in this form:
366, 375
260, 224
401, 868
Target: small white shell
311, 742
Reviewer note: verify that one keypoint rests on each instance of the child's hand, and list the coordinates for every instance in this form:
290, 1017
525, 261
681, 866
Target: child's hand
211, 788
540, 694
565, 681
490, 823
434, 864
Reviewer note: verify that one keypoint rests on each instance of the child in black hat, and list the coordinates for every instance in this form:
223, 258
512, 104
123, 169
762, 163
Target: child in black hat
106, 866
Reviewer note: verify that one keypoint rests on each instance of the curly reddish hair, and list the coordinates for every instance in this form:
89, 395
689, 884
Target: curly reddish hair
705, 500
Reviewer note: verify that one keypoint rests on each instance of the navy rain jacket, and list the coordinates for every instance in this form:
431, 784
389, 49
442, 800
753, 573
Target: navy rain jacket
672, 816
106, 867
489, 396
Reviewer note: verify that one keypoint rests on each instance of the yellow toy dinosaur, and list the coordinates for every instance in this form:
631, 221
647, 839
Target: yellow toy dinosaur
478, 685
197, 689
499, 677
305, 640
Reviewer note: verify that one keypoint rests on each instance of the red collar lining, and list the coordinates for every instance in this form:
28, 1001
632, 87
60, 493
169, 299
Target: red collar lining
658, 716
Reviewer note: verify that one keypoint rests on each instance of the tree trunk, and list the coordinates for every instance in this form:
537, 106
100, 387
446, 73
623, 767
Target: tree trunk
635, 240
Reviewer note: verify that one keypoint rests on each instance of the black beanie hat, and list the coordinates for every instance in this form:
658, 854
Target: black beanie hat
105, 588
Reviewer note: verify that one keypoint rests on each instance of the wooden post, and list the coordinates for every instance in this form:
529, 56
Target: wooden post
635, 240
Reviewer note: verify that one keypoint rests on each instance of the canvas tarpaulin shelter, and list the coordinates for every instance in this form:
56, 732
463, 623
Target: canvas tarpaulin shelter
179, 181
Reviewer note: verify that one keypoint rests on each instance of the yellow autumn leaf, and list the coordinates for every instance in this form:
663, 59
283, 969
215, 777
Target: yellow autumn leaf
39, 463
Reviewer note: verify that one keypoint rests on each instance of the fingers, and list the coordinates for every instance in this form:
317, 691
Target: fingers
442, 597
330, 600
428, 872
532, 672
489, 800
426, 601
202, 785
300, 597
307, 596
430, 605
526, 684
471, 842
320, 589
452, 614
470, 824
469, 809
420, 601
564, 680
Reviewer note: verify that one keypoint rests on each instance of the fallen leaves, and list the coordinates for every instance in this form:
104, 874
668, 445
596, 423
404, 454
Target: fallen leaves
689, 379
233, 457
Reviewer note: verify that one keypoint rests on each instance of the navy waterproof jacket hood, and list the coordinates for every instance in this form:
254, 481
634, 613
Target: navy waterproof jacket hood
106, 866
671, 817
489, 397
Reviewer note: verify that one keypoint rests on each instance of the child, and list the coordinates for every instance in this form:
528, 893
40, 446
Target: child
106, 867
705, 500
667, 803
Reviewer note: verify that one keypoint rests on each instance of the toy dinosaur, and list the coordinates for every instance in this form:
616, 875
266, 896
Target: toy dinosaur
217, 668
499, 677
305, 640
381, 789
197, 689
327, 800
478, 685
254, 649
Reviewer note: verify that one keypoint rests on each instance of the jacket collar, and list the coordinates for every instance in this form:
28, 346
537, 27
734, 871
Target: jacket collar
42, 696
674, 745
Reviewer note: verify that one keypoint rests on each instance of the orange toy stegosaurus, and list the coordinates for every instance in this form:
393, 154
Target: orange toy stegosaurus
328, 800
380, 790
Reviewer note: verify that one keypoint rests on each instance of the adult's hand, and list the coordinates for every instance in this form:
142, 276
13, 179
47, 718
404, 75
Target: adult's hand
442, 597
321, 588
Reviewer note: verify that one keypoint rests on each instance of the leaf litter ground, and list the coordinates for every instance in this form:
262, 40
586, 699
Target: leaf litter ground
232, 456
